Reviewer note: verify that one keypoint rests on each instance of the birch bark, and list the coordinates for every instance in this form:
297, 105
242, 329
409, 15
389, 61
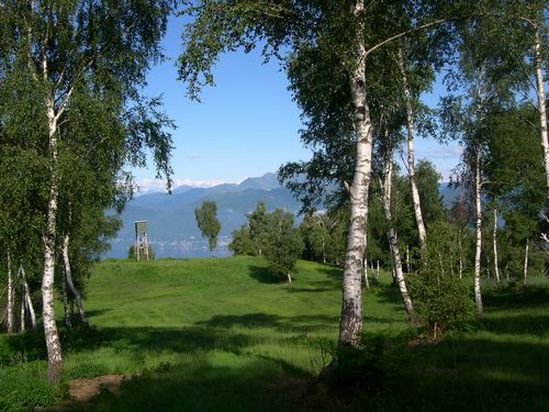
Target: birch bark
526, 262
478, 230
53, 345
10, 302
70, 283
416, 200
351, 311
541, 104
27, 297
66, 312
22, 314
495, 246
393, 239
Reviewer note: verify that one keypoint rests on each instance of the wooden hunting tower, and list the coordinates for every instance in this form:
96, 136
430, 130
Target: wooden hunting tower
141, 243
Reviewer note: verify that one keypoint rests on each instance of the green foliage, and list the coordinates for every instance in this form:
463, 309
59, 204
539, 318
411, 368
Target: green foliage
283, 244
249, 240
207, 222
325, 236
22, 387
242, 243
442, 301
132, 256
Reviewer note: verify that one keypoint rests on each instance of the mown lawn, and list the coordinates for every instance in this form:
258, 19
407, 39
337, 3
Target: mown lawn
216, 335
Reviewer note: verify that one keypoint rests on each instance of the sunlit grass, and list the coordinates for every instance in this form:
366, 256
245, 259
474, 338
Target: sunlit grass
216, 334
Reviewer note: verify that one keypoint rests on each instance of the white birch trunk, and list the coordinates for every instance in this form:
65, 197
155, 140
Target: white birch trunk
351, 310
66, 312
27, 297
478, 228
22, 315
378, 271
408, 268
366, 280
70, 283
53, 344
526, 262
495, 246
460, 255
411, 152
541, 104
393, 238
10, 303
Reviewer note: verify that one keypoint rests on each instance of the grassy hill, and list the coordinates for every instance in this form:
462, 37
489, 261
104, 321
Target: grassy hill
215, 334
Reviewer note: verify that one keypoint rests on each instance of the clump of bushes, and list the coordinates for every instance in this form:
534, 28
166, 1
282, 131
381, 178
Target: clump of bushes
131, 253
273, 236
442, 301
283, 245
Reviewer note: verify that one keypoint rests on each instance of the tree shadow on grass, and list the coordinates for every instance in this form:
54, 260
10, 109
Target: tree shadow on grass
473, 374
513, 297
239, 384
262, 275
216, 333
293, 324
535, 325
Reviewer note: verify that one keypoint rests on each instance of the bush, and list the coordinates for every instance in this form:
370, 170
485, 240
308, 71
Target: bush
131, 253
22, 387
283, 244
442, 301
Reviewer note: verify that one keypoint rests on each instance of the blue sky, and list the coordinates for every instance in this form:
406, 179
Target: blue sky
245, 126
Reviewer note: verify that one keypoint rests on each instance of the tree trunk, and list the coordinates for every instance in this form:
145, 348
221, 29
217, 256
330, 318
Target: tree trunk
416, 201
22, 315
393, 237
495, 245
323, 250
478, 227
526, 262
10, 303
460, 255
70, 283
408, 268
53, 344
377, 270
27, 297
351, 310
366, 280
66, 312
541, 104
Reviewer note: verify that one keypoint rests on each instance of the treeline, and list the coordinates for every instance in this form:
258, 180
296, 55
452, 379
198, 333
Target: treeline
73, 119
357, 70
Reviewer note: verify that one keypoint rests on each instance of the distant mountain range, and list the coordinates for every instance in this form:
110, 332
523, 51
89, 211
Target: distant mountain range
172, 229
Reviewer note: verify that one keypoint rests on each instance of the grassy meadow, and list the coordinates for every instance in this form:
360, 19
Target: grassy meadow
217, 335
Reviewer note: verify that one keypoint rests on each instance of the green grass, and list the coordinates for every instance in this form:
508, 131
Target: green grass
215, 334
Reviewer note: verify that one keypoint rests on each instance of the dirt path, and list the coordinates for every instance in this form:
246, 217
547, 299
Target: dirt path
81, 392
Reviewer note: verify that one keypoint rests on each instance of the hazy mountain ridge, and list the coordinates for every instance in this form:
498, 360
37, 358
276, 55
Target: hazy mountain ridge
172, 226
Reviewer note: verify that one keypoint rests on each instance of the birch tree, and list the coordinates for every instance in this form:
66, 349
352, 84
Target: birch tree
57, 55
348, 33
392, 234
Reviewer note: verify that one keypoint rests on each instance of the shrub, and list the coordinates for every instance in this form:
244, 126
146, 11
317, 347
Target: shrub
442, 301
283, 244
131, 253
22, 387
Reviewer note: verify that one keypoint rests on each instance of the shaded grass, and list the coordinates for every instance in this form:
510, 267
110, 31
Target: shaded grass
215, 334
